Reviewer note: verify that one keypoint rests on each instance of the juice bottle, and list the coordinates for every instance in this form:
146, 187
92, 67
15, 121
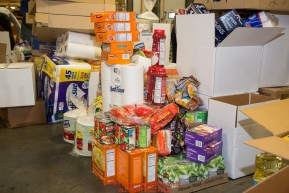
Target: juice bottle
266, 165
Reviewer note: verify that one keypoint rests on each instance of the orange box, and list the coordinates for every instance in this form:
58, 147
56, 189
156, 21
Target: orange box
150, 165
115, 58
112, 16
116, 26
109, 37
118, 47
104, 161
129, 169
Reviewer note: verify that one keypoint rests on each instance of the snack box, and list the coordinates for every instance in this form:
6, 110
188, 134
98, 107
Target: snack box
118, 47
231, 20
115, 58
109, 37
203, 136
204, 155
116, 26
104, 161
129, 169
112, 16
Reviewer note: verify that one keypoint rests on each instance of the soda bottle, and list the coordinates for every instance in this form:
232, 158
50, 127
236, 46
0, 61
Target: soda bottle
266, 165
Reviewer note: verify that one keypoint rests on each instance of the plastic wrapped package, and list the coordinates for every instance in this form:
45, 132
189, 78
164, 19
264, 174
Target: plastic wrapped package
148, 17
22, 51
162, 141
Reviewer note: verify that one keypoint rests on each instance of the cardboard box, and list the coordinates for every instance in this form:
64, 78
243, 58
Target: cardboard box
231, 68
276, 182
2, 53
115, 26
275, 61
246, 4
90, 1
71, 8
195, 186
237, 128
147, 39
275, 92
118, 47
40, 48
24, 116
205, 99
18, 85
110, 37
97, 16
4, 39
104, 161
129, 169
111, 59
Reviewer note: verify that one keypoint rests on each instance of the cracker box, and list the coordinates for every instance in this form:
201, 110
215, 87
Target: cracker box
116, 26
112, 16
104, 161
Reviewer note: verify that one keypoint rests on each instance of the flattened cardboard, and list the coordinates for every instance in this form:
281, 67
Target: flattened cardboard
195, 186
274, 117
24, 116
277, 182
231, 68
62, 21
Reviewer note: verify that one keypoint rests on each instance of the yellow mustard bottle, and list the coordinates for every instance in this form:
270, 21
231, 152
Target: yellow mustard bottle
266, 165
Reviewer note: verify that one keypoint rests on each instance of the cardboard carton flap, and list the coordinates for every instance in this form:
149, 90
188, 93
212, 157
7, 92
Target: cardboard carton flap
243, 36
20, 65
274, 145
2, 49
273, 116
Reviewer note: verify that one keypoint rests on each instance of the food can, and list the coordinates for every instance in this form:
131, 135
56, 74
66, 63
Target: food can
97, 117
117, 134
143, 136
201, 116
127, 138
106, 131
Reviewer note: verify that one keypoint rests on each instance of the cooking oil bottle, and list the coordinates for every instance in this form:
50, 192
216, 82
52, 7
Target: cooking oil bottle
266, 165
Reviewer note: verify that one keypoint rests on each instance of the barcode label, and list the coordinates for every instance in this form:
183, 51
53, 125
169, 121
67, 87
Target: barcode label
198, 143
201, 158
122, 16
125, 56
121, 37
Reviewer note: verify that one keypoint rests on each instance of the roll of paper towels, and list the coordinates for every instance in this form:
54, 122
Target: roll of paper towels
81, 38
81, 51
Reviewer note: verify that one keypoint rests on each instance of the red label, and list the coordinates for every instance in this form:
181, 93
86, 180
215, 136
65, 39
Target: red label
89, 146
79, 143
68, 135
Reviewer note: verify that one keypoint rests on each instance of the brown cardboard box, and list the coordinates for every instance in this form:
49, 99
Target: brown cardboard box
278, 182
2, 53
275, 92
83, 1
24, 116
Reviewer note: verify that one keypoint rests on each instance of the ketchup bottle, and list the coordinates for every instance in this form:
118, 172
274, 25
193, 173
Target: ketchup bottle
158, 47
150, 84
159, 86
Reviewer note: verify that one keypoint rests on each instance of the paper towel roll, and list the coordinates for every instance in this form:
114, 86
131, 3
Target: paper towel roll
81, 38
105, 71
81, 51
132, 83
116, 83
106, 103
58, 42
105, 87
84, 131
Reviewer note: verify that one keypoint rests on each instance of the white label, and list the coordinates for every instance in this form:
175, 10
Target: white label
129, 37
162, 52
126, 26
122, 16
201, 158
198, 143
119, 27
120, 37
151, 167
157, 92
125, 56
110, 162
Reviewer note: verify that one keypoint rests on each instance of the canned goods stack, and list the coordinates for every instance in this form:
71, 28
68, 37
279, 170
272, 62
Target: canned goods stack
117, 31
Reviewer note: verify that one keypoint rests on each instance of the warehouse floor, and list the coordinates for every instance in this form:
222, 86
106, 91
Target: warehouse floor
35, 159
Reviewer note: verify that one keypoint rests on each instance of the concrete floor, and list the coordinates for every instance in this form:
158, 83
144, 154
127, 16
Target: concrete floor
36, 160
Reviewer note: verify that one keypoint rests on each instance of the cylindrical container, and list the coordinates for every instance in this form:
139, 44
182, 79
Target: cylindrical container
158, 47
106, 131
160, 86
117, 134
201, 116
97, 117
84, 130
266, 165
69, 120
150, 84
127, 138
143, 136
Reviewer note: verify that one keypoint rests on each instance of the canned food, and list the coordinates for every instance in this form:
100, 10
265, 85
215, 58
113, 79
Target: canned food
97, 117
106, 131
127, 138
117, 134
143, 136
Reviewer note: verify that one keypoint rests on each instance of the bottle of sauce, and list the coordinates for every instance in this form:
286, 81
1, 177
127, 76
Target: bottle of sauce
159, 86
158, 47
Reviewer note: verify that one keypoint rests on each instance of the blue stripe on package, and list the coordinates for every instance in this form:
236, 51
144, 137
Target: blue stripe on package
253, 21
231, 20
220, 33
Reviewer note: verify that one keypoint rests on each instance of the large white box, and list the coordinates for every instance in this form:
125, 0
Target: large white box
17, 85
237, 128
231, 68
275, 65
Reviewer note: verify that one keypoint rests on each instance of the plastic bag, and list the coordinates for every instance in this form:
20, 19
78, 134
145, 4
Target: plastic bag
147, 18
21, 51
131, 114
162, 141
